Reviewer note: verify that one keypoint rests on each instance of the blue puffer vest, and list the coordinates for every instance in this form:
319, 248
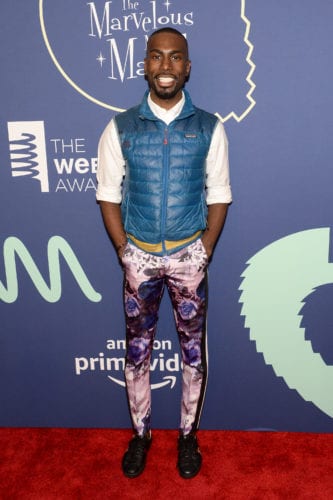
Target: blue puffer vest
164, 186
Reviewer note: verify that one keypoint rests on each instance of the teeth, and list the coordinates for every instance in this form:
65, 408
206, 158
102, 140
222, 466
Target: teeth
165, 79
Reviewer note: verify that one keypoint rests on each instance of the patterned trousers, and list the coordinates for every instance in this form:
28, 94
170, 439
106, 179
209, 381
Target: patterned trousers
184, 274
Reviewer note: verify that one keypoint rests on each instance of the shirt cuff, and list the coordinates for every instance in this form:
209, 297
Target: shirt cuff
219, 194
107, 194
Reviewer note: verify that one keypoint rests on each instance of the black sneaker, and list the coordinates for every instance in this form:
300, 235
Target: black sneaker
134, 459
189, 456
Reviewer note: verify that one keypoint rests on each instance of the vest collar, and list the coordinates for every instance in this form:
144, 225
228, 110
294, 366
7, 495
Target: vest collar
146, 113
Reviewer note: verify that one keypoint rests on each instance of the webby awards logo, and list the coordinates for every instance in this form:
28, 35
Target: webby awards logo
58, 164
28, 152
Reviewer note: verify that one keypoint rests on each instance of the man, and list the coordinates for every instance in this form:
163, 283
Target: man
163, 188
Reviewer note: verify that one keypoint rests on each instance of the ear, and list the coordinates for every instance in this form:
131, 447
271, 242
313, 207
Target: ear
188, 68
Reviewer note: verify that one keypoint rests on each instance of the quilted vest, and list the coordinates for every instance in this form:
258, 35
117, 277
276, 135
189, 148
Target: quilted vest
163, 195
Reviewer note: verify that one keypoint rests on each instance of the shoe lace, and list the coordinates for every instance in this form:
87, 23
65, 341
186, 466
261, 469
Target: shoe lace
187, 446
137, 446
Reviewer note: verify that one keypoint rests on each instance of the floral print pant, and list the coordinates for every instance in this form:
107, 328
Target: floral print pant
184, 275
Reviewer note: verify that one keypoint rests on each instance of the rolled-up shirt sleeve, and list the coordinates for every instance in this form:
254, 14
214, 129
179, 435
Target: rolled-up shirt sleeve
111, 165
218, 189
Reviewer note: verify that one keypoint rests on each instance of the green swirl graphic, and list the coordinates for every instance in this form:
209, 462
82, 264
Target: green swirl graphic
51, 293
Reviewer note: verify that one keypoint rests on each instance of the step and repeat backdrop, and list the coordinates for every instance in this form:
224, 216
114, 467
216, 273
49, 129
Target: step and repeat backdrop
265, 68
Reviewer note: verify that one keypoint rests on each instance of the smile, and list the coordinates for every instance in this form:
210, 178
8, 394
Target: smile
166, 80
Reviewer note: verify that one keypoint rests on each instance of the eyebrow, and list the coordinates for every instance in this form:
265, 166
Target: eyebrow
166, 51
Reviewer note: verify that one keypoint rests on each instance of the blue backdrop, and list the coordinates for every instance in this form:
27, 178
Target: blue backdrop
265, 68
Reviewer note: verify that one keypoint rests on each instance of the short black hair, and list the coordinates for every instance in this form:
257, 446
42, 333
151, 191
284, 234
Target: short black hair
168, 29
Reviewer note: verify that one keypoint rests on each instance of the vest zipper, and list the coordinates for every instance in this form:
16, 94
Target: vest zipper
165, 177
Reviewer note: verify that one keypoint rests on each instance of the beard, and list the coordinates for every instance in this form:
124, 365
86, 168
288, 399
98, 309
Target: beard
167, 92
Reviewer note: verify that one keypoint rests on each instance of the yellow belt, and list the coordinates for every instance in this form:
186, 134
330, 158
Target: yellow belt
158, 247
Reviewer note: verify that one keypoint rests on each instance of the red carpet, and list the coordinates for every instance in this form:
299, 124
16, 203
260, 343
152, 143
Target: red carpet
84, 464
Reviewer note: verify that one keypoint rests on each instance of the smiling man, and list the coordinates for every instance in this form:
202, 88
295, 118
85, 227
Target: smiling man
164, 192
167, 67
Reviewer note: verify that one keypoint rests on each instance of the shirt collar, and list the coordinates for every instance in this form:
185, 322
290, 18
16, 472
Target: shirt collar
166, 115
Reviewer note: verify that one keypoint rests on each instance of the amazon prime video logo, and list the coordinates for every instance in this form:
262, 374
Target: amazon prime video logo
164, 366
28, 151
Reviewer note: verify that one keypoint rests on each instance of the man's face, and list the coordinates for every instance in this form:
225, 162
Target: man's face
167, 68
